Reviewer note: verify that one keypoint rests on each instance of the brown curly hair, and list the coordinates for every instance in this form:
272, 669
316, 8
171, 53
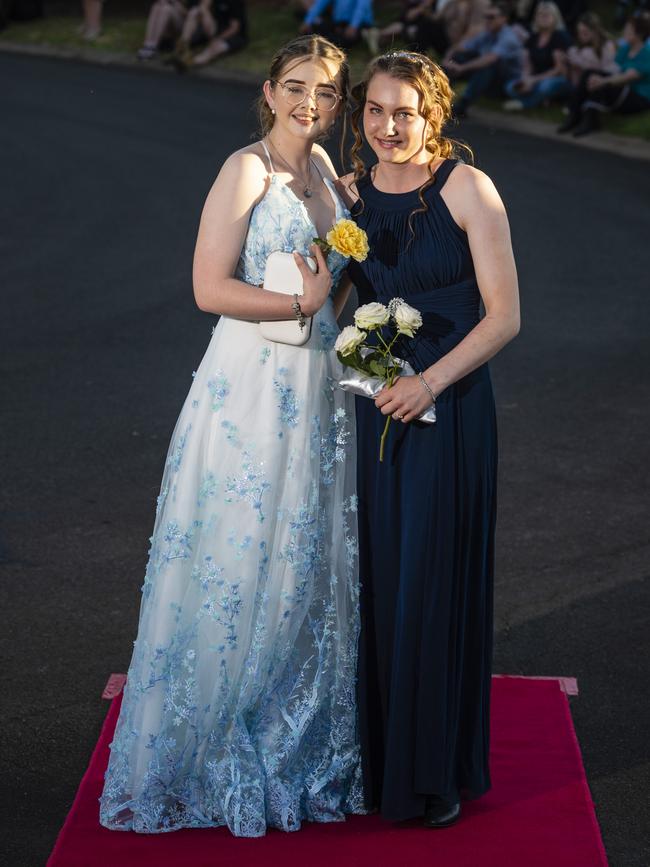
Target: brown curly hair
435, 99
310, 47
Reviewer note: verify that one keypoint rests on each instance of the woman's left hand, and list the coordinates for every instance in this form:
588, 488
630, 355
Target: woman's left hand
406, 400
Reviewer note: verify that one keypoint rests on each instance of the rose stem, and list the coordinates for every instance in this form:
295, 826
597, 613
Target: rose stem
391, 378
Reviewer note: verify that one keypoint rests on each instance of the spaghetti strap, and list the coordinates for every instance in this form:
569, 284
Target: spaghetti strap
268, 155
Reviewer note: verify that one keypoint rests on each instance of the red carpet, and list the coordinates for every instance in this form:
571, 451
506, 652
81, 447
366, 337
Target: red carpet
538, 814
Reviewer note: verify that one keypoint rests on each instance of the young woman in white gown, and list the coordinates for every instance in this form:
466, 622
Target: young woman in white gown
239, 707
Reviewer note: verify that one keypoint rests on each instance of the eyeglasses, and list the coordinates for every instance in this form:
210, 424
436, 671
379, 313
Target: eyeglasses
326, 100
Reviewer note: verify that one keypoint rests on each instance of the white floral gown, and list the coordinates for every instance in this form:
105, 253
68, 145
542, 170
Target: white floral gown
239, 707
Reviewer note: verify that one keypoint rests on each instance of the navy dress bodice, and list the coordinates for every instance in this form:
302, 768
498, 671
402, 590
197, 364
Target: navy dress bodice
426, 523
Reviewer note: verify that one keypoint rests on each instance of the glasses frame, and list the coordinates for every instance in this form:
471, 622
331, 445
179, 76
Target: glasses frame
310, 93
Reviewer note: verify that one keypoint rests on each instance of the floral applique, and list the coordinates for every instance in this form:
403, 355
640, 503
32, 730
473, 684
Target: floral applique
176, 455
328, 335
250, 484
219, 388
288, 405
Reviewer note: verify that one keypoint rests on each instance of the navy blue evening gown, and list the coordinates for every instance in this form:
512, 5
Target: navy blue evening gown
426, 524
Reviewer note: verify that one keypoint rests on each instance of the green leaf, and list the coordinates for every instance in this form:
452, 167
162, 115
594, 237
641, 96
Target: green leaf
378, 368
325, 247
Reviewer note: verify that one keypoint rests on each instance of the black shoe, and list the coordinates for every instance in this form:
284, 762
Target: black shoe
439, 813
590, 123
570, 123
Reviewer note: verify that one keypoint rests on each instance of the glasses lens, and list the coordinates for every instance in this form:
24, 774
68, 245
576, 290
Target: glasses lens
326, 100
295, 94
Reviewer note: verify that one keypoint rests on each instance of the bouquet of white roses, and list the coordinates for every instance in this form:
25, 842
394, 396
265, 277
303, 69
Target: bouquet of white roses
372, 366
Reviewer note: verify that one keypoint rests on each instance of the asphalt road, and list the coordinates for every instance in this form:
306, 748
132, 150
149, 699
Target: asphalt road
102, 176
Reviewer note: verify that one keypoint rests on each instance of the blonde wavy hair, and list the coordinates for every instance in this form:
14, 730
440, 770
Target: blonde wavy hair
310, 47
553, 8
434, 104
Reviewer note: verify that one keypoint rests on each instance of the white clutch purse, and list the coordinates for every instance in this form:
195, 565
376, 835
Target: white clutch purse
282, 275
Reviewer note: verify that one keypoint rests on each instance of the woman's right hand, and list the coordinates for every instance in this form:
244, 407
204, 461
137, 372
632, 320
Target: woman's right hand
316, 287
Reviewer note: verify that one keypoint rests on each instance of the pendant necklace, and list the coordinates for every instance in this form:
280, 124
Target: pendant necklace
307, 190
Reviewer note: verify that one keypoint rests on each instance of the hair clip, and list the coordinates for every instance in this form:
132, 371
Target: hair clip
412, 55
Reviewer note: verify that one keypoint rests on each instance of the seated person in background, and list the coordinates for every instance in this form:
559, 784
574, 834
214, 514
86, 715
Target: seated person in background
594, 49
544, 61
441, 25
625, 92
571, 11
92, 24
343, 24
416, 14
220, 23
462, 19
625, 8
488, 60
165, 21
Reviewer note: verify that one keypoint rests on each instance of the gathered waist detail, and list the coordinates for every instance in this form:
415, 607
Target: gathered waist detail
449, 313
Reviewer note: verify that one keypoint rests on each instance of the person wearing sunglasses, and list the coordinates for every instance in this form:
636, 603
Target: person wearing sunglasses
486, 61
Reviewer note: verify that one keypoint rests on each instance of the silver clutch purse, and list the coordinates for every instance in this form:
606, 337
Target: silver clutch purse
369, 386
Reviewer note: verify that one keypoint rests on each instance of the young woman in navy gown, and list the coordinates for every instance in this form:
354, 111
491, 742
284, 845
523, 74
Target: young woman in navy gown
439, 239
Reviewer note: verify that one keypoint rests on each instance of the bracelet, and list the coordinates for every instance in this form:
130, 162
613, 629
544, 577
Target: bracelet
300, 316
426, 385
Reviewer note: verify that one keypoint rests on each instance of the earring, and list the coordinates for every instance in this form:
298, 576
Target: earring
272, 111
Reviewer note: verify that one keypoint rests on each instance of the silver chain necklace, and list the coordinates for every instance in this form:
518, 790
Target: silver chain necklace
307, 191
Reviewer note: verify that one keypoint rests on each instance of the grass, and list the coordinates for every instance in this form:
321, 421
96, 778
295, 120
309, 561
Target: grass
272, 22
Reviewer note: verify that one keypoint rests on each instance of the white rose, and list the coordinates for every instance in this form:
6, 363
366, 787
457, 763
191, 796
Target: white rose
408, 319
371, 316
349, 339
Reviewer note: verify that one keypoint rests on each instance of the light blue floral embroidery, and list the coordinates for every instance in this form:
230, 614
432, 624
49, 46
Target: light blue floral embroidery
207, 488
288, 405
176, 456
328, 335
265, 352
332, 445
240, 547
250, 484
207, 574
233, 433
219, 388
224, 608
178, 544
160, 501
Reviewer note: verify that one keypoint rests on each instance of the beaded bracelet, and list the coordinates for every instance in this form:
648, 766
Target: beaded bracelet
426, 385
300, 316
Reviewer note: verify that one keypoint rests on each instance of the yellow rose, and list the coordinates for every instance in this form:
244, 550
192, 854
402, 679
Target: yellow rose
348, 239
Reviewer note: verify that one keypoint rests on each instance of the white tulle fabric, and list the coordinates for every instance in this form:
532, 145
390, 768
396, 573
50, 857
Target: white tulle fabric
239, 707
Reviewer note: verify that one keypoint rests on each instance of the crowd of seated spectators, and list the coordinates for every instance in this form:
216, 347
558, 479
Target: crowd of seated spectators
194, 32
526, 52
533, 52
